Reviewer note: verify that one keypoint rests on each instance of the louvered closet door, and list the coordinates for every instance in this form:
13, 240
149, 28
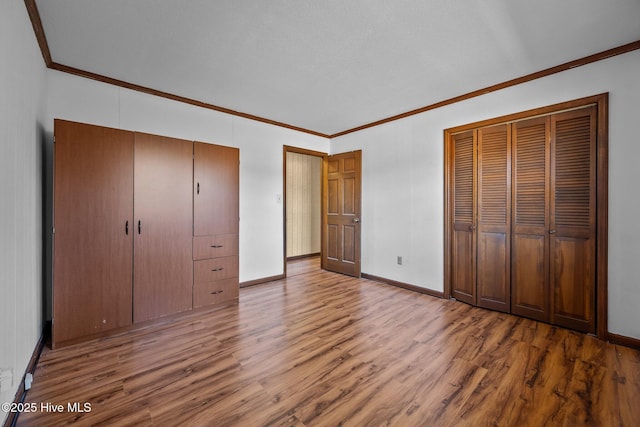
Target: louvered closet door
494, 221
573, 219
530, 238
463, 274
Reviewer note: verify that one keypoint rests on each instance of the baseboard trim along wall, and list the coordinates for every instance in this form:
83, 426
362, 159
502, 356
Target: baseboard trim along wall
407, 286
261, 280
625, 341
293, 258
21, 393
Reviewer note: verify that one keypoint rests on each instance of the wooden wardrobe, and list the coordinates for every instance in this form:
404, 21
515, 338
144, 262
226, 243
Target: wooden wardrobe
522, 217
125, 207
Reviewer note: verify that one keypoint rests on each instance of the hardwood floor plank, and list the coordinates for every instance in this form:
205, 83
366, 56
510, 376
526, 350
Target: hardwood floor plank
323, 349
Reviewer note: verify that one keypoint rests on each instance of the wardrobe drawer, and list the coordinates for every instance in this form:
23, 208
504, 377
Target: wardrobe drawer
215, 246
215, 292
209, 270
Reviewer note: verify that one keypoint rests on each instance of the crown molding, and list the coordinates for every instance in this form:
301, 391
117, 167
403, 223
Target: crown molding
151, 91
34, 15
629, 47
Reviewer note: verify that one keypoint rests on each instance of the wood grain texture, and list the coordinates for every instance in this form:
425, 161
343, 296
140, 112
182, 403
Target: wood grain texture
93, 241
163, 263
530, 248
493, 236
341, 213
559, 218
320, 348
215, 246
573, 219
463, 216
216, 187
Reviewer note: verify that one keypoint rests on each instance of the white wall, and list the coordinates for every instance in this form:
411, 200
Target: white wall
22, 80
261, 153
403, 179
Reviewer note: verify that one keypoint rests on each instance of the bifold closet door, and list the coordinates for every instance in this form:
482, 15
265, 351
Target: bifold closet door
93, 222
573, 219
163, 266
463, 242
494, 218
530, 242
554, 224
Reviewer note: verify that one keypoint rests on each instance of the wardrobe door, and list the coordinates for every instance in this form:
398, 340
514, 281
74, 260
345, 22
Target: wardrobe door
93, 208
215, 223
463, 242
215, 199
530, 238
163, 267
573, 220
494, 217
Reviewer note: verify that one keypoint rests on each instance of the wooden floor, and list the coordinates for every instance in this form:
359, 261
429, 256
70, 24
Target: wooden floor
322, 349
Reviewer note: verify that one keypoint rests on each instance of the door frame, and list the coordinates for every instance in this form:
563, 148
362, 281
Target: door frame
289, 149
601, 102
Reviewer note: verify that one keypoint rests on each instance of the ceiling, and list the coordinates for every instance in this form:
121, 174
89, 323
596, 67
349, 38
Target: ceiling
333, 65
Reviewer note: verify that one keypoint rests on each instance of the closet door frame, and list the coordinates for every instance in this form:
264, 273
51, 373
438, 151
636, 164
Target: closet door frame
601, 102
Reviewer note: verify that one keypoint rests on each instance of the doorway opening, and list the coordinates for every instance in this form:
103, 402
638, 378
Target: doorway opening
302, 204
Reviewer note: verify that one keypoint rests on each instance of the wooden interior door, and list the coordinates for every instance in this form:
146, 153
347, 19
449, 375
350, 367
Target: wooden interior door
93, 240
493, 272
163, 264
341, 213
216, 187
573, 219
530, 238
463, 195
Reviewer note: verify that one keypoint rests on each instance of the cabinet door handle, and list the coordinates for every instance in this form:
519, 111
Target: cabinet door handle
216, 292
472, 227
126, 228
553, 231
139, 227
216, 246
218, 269
198, 188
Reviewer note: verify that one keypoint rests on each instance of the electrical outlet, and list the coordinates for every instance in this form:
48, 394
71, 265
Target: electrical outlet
28, 379
399, 260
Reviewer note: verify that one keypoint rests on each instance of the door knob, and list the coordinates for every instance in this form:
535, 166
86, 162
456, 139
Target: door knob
356, 220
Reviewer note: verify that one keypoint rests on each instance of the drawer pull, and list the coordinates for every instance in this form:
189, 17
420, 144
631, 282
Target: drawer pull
217, 246
218, 269
217, 292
